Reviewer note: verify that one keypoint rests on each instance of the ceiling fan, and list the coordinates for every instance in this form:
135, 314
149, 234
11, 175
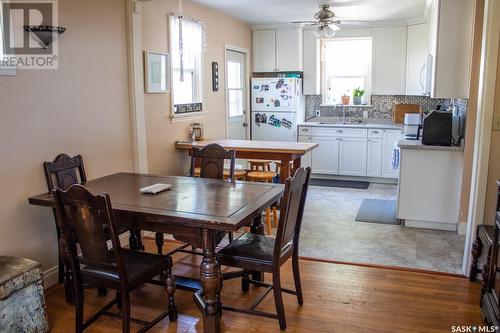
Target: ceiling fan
327, 23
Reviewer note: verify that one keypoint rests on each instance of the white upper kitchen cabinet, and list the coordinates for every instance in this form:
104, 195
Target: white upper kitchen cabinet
311, 63
390, 137
450, 44
264, 50
417, 50
325, 158
352, 156
389, 60
277, 50
289, 48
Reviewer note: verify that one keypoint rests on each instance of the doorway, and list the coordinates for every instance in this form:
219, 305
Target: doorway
236, 94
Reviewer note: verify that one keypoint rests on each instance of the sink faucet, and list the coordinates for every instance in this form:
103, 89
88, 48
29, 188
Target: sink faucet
343, 111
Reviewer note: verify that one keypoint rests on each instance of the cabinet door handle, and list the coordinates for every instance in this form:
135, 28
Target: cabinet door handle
375, 132
340, 131
340, 139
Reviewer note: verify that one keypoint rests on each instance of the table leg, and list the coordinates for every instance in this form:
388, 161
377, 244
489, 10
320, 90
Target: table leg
135, 240
211, 281
296, 165
284, 170
257, 228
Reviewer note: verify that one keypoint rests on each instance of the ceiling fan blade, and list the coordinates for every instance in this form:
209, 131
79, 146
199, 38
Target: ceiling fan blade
351, 22
349, 3
305, 22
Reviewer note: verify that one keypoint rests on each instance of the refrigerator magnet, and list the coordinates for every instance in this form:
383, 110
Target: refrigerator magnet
260, 118
274, 121
286, 123
259, 100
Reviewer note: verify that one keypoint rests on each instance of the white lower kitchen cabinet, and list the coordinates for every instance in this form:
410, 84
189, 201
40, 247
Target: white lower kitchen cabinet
325, 158
374, 158
390, 138
352, 156
429, 186
305, 161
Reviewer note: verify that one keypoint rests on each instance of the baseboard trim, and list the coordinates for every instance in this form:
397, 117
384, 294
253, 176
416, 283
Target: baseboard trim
462, 229
51, 275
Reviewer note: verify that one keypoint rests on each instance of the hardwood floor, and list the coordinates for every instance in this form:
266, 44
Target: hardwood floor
337, 298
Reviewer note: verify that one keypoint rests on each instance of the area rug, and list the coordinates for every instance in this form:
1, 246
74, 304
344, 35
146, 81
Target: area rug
378, 211
360, 185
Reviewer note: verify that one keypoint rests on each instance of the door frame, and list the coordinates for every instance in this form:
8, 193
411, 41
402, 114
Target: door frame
246, 52
484, 125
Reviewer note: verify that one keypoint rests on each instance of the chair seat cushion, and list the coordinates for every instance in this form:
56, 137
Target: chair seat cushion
140, 266
250, 246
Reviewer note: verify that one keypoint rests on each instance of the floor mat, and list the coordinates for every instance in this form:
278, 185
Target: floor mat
378, 211
339, 183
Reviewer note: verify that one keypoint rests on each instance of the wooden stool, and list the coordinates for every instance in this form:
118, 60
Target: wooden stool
265, 177
238, 174
262, 165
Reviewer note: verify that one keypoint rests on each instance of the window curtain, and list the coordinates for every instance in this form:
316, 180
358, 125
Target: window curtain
188, 42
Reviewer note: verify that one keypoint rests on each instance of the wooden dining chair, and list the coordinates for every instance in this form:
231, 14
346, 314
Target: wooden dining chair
210, 160
252, 252
83, 217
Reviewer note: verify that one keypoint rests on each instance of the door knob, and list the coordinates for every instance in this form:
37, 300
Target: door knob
245, 124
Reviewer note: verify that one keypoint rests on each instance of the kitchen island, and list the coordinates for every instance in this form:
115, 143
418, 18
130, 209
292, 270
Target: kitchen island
430, 179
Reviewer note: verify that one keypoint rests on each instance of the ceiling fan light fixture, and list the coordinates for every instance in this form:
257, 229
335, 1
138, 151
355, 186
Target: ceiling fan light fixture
324, 32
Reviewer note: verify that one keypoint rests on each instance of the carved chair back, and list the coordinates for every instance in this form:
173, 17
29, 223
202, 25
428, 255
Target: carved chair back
211, 159
292, 210
83, 217
64, 171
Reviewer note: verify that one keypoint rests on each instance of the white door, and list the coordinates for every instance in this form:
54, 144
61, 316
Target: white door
374, 158
389, 140
325, 158
264, 50
352, 156
306, 160
236, 97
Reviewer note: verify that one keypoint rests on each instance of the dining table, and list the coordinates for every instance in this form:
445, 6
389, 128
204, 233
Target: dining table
285, 152
193, 210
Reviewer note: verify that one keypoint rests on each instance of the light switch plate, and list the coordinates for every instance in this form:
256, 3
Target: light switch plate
496, 123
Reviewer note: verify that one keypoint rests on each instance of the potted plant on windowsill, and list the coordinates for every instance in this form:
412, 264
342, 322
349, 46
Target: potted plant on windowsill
345, 99
357, 96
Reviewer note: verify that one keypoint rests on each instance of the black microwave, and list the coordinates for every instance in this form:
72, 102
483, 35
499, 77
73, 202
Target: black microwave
437, 129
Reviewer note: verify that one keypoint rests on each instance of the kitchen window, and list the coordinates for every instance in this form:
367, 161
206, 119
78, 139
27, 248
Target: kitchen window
346, 64
187, 38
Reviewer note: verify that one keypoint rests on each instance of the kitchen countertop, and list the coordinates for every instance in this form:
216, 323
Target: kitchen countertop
370, 123
417, 144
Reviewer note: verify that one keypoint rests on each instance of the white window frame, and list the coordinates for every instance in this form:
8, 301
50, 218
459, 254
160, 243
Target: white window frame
4, 70
198, 86
367, 78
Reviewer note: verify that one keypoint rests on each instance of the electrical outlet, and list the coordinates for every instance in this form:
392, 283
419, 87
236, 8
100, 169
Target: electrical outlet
496, 123
317, 113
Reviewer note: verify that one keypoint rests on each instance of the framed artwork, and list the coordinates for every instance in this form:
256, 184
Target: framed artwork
157, 72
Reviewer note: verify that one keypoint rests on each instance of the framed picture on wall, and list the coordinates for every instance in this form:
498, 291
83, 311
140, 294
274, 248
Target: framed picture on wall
157, 72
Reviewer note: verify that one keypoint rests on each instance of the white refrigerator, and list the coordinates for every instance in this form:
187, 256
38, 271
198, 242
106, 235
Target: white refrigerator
277, 106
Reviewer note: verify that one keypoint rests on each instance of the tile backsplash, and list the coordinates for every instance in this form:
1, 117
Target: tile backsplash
380, 108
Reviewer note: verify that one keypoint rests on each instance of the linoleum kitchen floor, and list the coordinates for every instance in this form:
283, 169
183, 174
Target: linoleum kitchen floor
330, 232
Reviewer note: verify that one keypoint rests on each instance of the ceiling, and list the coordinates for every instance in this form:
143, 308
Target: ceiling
256, 12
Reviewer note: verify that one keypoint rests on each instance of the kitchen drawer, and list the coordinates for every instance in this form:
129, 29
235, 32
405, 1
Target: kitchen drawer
375, 133
305, 130
340, 132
